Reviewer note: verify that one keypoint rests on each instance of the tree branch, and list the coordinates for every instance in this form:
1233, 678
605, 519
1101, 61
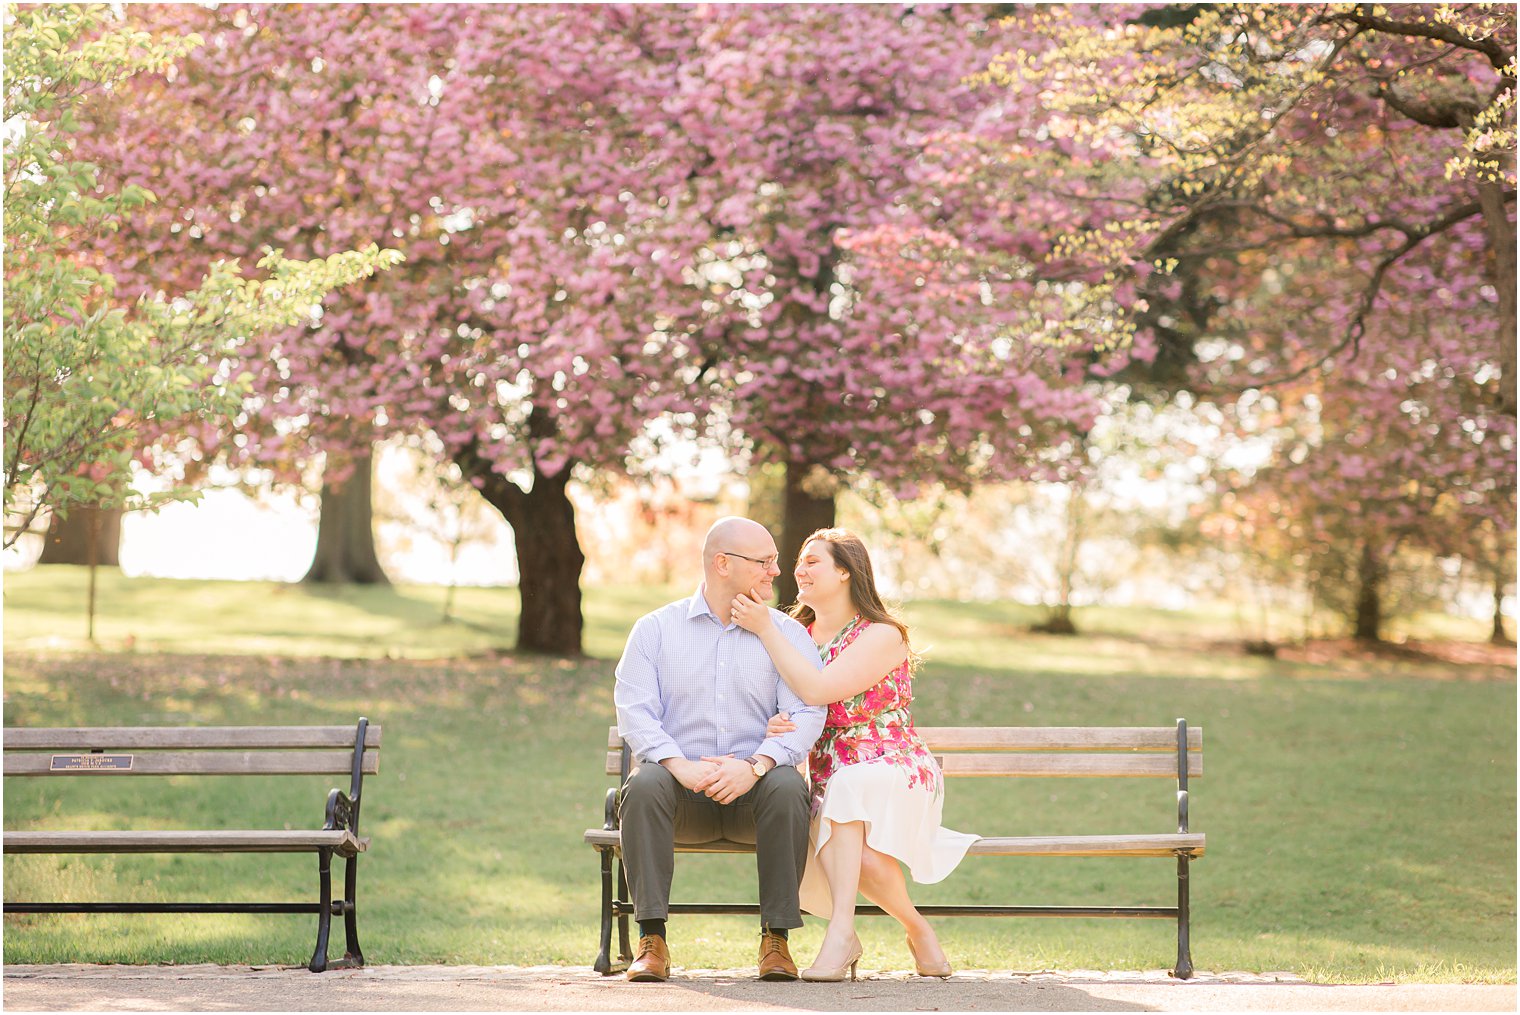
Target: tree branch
1498, 54
1448, 115
1358, 323
15, 532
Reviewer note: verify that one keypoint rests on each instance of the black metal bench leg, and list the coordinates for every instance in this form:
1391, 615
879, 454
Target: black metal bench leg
324, 914
604, 956
1184, 970
625, 947
352, 955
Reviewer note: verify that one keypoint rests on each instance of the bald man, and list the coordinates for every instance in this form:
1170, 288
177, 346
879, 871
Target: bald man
694, 693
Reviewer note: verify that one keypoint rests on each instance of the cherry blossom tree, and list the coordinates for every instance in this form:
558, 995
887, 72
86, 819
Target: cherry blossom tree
544, 316
1412, 490
871, 338
1311, 206
816, 233
609, 214
1326, 131
93, 378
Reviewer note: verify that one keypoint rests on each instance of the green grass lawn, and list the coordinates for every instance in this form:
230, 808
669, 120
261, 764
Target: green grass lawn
1361, 818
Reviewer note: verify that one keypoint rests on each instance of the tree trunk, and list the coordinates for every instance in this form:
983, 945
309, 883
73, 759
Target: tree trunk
1502, 267
1369, 606
1058, 618
1503, 572
68, 539
549, 557
1057, 621
549, 562
1498, 636
805, 510
94, 541
346, 531
1075, 500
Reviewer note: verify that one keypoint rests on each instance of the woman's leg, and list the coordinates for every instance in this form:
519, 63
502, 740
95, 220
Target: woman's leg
840, 859
882, 881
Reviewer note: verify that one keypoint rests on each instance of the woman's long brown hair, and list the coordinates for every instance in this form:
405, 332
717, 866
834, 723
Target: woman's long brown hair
850, 556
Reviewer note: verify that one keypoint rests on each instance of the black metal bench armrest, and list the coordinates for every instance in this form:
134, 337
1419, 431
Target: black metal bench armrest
610, 808
342, 813
343, 808
610, 812
1182, 775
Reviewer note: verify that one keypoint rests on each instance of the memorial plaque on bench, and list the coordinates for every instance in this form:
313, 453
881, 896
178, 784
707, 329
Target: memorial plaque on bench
91, 763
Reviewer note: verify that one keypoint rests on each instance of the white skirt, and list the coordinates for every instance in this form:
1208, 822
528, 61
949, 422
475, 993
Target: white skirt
900, 821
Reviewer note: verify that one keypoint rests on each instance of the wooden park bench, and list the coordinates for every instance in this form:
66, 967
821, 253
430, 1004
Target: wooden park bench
980, 752
124, 752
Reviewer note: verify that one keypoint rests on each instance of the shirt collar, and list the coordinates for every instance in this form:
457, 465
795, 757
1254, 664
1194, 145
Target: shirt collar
697, 607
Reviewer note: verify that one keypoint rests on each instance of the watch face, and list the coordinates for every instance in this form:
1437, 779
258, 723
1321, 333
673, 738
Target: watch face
759, 769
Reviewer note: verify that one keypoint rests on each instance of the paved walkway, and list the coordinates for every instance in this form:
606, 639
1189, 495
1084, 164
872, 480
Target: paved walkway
572, 988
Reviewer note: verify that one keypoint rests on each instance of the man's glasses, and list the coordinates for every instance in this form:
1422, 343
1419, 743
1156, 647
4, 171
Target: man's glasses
765, 562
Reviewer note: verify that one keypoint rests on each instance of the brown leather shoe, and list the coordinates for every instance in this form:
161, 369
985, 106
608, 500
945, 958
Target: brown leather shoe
651, 963
775, 961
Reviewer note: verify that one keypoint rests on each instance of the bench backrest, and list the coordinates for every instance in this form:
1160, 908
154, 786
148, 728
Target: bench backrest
194, 750
1061, 751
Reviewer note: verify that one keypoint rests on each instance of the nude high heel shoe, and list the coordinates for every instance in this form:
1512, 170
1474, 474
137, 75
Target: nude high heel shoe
942, 970
817, 974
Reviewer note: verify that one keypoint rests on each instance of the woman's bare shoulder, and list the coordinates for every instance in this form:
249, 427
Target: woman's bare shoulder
879, 635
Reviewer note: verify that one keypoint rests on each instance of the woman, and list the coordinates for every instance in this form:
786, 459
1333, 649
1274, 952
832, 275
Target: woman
877, 791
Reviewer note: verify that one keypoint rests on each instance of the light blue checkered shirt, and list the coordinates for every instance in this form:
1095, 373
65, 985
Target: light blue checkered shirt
692, 686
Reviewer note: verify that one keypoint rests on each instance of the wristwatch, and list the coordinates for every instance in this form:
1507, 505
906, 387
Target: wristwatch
757, 766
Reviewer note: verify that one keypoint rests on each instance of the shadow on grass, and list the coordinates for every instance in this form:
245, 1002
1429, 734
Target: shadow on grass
378, 600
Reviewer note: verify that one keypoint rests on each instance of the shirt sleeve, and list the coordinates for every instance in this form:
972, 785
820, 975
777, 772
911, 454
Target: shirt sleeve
792, 748
637, 696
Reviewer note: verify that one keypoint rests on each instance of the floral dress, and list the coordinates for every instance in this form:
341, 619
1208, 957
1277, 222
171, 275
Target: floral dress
870, 765
872, 727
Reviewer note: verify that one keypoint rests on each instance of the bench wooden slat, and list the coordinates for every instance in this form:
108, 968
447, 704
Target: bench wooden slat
1020, 845
1138, 751
210, 763
1088, 845
614, 837
1037, 738
91, 738
1071, 766
1058, 738
176, 841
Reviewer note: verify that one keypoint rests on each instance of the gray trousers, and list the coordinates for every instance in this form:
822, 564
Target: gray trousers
656, 812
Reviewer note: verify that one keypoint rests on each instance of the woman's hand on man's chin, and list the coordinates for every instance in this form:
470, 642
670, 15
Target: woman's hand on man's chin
750, 613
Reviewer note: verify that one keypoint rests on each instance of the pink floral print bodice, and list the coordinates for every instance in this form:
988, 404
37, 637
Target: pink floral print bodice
873, 727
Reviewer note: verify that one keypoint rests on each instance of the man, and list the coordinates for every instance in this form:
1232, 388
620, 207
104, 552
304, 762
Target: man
694, 692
